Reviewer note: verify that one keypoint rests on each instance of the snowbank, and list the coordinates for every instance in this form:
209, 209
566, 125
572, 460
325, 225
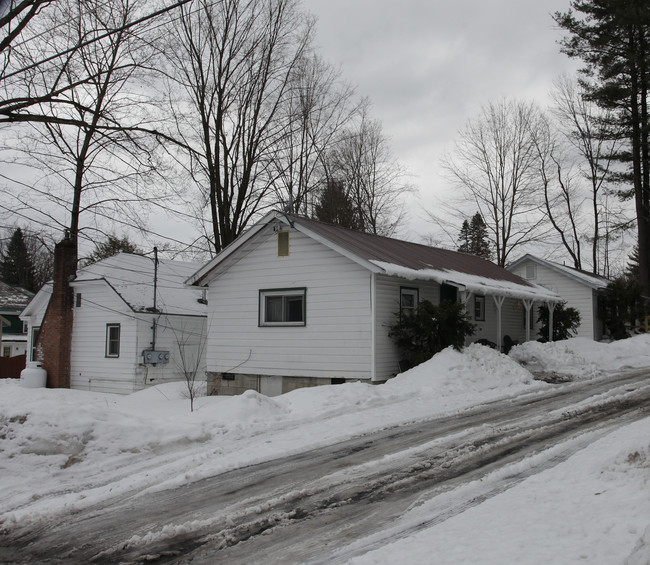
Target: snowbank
66, 449
582, 358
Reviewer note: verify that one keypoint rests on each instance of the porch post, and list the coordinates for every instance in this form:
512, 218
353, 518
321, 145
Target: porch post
528, 304
551, 307
498, 301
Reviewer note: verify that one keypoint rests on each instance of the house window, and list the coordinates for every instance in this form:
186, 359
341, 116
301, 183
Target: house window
449, 293
35, 332
283, 244
112, 340
25, 327
531, 271
283, 307
479, 308
77, 300
408, 299
6, 351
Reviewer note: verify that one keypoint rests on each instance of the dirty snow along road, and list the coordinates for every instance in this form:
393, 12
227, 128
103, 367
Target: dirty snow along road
315, 506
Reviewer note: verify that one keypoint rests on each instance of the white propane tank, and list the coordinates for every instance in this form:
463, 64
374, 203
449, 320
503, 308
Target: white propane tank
33, 375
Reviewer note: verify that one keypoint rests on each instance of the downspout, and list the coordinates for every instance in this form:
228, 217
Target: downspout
373, 331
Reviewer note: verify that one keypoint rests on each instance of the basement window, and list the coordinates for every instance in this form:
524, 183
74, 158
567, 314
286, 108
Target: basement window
112, 340
282, 307
283, 244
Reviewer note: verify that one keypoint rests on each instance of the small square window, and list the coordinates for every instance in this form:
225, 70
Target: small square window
283, 244
408, 299
479, 308
112, 340
282, 307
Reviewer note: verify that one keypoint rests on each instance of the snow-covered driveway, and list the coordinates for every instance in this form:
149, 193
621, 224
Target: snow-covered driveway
343, 499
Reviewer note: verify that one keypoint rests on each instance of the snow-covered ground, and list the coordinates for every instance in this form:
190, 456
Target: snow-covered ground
62, 450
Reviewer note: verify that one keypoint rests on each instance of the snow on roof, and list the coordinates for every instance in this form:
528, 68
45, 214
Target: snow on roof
132, 277
13, 298
473, 283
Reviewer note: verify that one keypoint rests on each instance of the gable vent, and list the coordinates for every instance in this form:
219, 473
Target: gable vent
283, 244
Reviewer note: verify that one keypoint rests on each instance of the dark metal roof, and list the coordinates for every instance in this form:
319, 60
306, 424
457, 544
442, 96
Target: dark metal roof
406, 254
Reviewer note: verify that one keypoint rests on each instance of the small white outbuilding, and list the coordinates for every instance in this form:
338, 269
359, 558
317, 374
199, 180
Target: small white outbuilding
135, 324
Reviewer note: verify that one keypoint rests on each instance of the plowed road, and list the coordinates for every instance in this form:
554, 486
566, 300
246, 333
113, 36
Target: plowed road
323, 506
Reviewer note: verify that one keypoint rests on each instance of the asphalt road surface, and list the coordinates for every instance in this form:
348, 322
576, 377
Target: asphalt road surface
330, 504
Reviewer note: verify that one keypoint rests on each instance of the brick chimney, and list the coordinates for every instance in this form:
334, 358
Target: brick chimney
55, 337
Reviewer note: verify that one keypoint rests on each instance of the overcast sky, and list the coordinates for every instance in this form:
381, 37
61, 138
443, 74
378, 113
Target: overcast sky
428, 66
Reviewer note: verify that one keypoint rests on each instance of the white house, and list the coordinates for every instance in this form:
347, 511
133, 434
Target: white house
579, 289
125, 336
295, 302
13, 336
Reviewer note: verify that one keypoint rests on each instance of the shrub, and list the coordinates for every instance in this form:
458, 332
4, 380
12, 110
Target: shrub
624, 305
565, 322
422, 333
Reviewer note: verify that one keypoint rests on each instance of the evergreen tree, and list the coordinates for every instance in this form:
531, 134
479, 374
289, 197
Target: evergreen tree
17, 268
335, 206
473, 238
464, 238
612, 37
480, 244
112, 246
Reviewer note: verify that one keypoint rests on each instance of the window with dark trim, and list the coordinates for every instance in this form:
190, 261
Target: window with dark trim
35, 332
77, 300
283, 307
112, 340
408, 298
479, 308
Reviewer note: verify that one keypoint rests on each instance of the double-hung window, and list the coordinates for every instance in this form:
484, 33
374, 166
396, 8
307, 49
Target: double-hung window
283, 307
112, 340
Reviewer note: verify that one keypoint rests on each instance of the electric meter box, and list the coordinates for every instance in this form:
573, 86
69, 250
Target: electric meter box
155, 357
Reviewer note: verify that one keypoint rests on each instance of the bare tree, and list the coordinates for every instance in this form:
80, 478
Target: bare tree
562, 199
375, 181
21, 32
234, 61
496, 164
190, 361
94, 155
580, 122
318, 106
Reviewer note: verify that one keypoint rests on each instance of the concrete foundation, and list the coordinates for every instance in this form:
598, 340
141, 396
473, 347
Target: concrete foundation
231, 384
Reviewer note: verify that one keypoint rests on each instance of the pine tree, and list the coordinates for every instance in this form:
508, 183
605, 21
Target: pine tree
17, 267
112, 246
480, 244
464, 238
612, 37
473, 238
335, 206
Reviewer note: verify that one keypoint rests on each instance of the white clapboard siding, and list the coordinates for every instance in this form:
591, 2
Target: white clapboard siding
90, 369
336, 340
173, 333
388, 303
576, 294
